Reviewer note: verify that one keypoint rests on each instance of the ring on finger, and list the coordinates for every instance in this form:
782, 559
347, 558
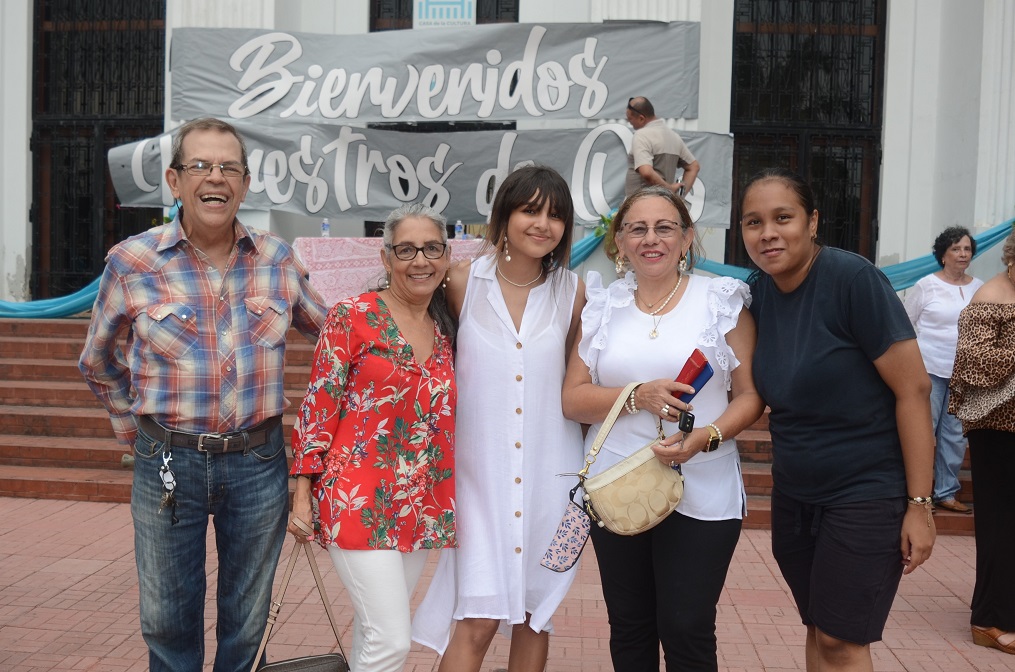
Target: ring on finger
665, 410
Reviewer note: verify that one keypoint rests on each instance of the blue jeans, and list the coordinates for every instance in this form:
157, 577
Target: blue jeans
247, 497
951, 445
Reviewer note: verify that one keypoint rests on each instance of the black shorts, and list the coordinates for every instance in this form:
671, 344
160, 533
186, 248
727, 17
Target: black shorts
843, 562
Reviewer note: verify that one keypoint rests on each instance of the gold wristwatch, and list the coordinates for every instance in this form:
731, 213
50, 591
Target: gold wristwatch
714, 438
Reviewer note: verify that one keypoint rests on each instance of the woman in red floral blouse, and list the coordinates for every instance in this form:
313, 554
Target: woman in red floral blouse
374, 440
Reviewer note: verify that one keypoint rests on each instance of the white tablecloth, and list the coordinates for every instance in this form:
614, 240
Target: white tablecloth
343, 267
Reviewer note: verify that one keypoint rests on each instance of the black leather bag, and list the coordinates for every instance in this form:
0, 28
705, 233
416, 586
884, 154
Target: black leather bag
327, 662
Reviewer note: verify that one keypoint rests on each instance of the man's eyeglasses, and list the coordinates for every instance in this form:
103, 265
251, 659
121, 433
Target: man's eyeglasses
632, 107
203, 168
663, 229
407, 252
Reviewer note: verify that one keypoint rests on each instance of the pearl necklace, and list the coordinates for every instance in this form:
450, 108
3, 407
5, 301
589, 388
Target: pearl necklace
524, 284
656, 320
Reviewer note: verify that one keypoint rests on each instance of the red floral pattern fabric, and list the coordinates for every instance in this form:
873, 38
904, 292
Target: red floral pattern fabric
376, 432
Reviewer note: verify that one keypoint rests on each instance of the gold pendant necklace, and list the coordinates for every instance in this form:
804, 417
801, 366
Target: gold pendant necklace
656, 318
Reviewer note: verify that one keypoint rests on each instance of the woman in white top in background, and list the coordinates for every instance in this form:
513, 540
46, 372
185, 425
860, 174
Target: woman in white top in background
519, 307
933, 305
662, 586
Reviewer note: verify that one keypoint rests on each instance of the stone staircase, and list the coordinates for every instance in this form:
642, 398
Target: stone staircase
56, 441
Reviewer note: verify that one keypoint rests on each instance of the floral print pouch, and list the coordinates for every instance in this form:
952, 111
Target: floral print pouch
569, 539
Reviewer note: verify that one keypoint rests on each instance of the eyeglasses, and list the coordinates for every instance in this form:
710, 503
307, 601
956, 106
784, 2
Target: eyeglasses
632, 107
663, 229
407, 252
203, 168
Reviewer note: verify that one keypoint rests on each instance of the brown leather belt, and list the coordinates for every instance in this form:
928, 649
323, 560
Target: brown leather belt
212, 442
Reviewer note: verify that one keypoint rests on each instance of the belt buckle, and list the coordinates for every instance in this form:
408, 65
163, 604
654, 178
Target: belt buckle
211, 435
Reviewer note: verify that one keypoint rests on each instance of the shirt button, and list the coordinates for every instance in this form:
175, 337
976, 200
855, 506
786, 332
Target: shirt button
518, 514
518, 345
518, 377
518, 479
518, 444
518, 411
518, 549
229, 368
211, 268
183, 316
222, 298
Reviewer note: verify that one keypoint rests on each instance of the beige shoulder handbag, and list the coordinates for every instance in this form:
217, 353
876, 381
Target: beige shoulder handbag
636, 494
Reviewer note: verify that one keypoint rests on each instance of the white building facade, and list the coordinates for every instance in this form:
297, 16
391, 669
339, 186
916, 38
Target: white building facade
947, 145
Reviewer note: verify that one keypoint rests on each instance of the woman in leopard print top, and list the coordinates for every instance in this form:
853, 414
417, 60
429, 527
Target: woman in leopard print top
983, 397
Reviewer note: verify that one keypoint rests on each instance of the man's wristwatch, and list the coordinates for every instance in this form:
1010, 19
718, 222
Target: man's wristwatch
714, 438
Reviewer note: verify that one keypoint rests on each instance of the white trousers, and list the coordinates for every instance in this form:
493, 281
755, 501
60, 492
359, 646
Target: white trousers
380, 585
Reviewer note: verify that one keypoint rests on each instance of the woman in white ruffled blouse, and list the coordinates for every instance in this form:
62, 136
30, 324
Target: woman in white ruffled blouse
662, 586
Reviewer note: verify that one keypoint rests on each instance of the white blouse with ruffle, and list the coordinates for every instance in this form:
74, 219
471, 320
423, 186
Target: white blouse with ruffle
617, 348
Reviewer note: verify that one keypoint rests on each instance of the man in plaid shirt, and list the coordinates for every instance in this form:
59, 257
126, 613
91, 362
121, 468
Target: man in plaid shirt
206, 304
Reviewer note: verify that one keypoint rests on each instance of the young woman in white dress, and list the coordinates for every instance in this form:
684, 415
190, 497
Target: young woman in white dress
519, 308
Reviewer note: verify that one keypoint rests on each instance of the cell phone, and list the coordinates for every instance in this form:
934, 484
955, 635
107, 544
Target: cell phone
703, 377
692, 367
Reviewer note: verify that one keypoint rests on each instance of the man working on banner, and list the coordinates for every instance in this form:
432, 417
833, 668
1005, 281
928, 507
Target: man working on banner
656, 152
205, 304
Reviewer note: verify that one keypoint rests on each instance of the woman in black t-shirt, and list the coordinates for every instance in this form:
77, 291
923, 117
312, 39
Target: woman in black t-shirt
853, 449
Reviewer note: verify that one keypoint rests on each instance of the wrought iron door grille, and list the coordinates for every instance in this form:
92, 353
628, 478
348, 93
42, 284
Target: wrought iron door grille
807, 95
98, 82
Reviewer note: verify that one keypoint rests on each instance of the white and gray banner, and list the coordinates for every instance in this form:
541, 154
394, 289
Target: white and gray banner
484, 72
330, 170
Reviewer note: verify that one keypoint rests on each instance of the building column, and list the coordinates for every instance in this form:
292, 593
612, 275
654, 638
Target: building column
15, 131
995, 168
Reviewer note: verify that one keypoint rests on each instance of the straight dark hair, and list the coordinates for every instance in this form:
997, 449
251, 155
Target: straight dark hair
794, 182
534, 186
790, 179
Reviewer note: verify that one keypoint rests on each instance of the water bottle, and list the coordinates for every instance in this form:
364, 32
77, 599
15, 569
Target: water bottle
459, 230
325, 228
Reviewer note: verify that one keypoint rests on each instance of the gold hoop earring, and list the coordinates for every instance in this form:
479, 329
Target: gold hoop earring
507, 254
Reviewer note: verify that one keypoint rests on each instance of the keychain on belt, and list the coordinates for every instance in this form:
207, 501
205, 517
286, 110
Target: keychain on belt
169, 483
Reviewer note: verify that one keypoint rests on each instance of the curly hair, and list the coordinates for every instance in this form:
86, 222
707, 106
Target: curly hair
1008, 251
949, 237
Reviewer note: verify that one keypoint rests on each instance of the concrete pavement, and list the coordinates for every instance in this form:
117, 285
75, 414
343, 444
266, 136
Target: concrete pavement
68, 601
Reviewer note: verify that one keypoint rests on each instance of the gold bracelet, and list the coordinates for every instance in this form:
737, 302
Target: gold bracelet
926, 502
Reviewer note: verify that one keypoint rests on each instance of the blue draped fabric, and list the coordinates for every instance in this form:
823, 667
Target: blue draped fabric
902, 275
65, 306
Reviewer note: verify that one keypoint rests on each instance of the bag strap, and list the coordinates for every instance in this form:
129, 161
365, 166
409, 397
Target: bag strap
276, 605
604, 431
